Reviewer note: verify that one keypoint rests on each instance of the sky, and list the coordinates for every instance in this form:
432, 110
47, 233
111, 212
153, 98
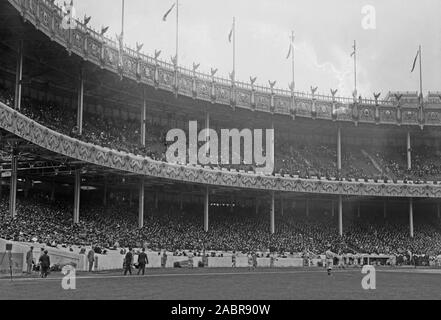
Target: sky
324, 34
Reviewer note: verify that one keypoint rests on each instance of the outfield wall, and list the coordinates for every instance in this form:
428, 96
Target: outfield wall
114, 261
57, 256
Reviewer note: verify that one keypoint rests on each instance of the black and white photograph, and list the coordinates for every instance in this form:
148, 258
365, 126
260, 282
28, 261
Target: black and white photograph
220, 156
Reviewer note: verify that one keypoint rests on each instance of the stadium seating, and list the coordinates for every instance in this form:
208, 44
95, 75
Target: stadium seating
305, 160
49, 222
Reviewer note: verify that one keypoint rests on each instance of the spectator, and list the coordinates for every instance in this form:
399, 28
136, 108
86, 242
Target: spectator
45, 264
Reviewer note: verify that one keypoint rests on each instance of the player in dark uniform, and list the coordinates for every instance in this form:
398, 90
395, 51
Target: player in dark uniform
45, 264
128, 262
142, 262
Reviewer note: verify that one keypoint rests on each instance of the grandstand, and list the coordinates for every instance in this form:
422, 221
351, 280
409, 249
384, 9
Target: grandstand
83, 159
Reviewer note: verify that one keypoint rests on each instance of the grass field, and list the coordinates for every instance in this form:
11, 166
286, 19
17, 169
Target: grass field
228, 284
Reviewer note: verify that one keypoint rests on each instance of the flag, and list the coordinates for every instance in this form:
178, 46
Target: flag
289, 52
168, 12
291, 46
415, 61
231, 33
355, 50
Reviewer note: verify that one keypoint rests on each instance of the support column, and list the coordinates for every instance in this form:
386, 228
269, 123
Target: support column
273, 143
143, 119
339, 149
333, 208
359, 210
77, 193
281, 207
13, 189
438, 210
53, 191
206, 208
409, 152
19, 76
181, 202
340, 215
80, 104
384, 209
307, 207
207, 127
141, 204
257, 206
156, 200
27, 187
411, 217
272, 215
105, 192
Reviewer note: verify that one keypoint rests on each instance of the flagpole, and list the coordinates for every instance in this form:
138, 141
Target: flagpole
292, 48
421, 77
177, 30
355, 65
121, 37
234, 48
122, 19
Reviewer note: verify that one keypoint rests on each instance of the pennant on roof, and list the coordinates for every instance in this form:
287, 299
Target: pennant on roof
289, 52
164, 18
415, 61
230, 35
291, 46
355, 49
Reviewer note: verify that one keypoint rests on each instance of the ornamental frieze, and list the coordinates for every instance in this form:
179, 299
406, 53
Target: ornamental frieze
243, 98
388, 115
263, 102
203, 90
344, 112
166, 79
324, 111
410, 116
93, 48
185, 85
303, 109
433, 116
367, 114
282, 105
222, 94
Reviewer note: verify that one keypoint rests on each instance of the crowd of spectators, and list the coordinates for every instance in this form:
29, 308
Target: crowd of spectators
304, 159
6, 96
50, 223
426, 163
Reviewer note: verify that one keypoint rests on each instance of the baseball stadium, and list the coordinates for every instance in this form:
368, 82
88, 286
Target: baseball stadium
86, 177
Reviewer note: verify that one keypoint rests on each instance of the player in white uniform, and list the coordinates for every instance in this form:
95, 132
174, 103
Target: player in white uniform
329, 259
250, 261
